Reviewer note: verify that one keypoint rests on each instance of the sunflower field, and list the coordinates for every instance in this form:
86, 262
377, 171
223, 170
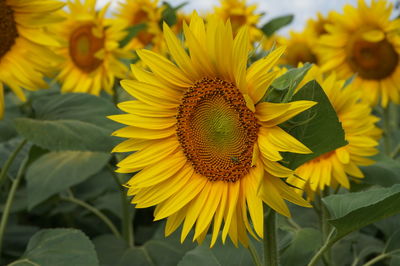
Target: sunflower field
144, 134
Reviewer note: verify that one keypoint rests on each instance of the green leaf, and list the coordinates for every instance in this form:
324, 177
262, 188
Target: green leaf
65, 135
304, 244
61, 247
115, 252
275, 24
385, 172
74, 121
288, 82
169, 13
75, 106
219, 255
352, 211
318, 127
132, 31
56, 171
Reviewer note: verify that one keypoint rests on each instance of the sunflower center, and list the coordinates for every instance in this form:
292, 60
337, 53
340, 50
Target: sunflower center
83, 46
373, 60
8, 28
300, 53
216, 130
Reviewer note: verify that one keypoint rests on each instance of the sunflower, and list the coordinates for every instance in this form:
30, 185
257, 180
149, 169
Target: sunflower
90, 47
24, 45
240, 14
364, 41
132, 13
317, 26
207, 149
339, 166
300, 48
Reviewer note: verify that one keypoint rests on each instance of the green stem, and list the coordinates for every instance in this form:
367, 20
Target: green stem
10, 199
381, 257
96, 212
10, 160
327, 245
271, 255
326, 228
254, 254
127, 228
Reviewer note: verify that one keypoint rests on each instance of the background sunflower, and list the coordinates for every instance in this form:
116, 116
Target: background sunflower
25, 56
90, 48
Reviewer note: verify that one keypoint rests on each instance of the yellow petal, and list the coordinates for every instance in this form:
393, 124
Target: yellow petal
152, 95
143, 133
175, 203
156, 173
164, 68
143, 109
270, 195
373, 36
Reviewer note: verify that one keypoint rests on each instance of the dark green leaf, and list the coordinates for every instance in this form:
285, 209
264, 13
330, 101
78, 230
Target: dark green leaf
74, 121
385, 172
276, 23
59, 247
305, 242
169, 13
352, 211
219, 255
318, 127
65, 135
115, 252
57, 171
132, 31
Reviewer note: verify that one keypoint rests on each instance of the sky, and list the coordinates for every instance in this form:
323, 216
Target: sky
302, 9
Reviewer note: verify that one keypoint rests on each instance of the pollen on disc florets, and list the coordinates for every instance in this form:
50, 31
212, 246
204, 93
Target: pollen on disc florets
216, 130
8, 28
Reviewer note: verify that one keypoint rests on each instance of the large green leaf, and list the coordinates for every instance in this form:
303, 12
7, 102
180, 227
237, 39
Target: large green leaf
352, 211
385, 172
275, 24
61, 247
305, 242
57, 171
74, 121
115, 252
318, 127
219, 255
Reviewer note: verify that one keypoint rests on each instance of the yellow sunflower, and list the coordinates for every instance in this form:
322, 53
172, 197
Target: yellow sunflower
317, 26
240, 14
337, 167
366, 42
90, 47
24, 45
207, 149
300, 48
132, 13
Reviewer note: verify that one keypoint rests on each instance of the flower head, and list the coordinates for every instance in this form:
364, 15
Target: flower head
207, 147
364, 41
90, 48
25, 54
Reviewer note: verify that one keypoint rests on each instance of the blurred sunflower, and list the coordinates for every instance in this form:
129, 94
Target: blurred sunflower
334, 168
206, 147
317, 26
24, 45
240, 14
300, 48
134, 12
90, 47
366, 42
